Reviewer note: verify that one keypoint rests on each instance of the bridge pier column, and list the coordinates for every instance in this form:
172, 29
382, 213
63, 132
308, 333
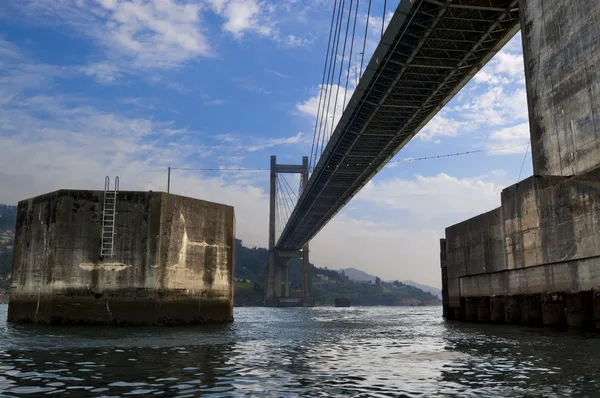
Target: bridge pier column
305, 272
278, 275
286, 290
277, 284
272, 254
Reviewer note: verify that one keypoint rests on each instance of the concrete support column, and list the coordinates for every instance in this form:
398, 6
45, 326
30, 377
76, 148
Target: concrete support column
483, 309
512, 309
497, 309
305, 251
561, 55
447, 312
597, 309
457, 313
286, 290
305, 272
470, 309
553, 310
277, 282
580, 310
531, 310
271, 266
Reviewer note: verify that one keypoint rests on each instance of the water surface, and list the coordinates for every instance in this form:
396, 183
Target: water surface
359, 352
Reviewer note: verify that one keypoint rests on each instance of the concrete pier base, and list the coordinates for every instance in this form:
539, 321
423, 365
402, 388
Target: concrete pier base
540, 247
512, 309
497, 309
458, 313
597, 309
172, 263
580, 310
483, 309
553, 310
531, 310
471, 313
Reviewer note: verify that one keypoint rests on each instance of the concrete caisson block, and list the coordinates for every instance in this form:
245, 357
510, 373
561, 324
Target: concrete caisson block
173, 260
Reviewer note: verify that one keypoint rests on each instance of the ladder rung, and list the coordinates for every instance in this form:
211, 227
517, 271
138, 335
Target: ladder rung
109, 214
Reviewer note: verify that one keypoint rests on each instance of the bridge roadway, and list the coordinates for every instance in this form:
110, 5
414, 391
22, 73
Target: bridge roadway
429, 51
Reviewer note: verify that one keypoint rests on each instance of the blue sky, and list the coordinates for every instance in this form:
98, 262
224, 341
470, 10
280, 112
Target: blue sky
90, 88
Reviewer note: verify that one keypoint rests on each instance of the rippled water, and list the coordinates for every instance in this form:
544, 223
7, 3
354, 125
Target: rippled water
359, 352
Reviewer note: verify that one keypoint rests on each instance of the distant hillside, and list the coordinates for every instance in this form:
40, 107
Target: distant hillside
430, 289
250, 277
8, 219
358, 275
361, 276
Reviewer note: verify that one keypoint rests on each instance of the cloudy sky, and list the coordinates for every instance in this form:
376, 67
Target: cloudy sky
90, 88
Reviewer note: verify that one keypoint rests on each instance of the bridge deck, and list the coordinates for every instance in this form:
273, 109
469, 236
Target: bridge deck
429, 51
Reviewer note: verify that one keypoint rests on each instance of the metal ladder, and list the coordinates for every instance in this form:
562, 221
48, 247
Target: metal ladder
109, 213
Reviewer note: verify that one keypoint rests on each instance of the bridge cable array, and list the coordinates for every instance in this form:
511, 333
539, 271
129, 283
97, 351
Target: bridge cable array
341, 19
285, 202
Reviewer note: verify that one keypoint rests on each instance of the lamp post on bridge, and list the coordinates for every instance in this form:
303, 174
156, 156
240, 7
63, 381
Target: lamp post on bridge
278, 259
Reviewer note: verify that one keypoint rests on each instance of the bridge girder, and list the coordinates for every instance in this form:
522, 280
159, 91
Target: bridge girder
429, 51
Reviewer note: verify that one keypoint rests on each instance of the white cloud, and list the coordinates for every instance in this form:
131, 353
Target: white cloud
330, 111
497, 106
8, 51
135, 34
159, 33
250, 85
243, 16
274, 142
421, 196
253, 144
443, 125
512, 139
103, 71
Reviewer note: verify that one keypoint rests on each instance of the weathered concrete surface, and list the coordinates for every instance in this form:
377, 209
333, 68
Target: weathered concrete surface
544, 239
497, 309
553, 310
540, 249
473, 247
173, 260
580, 310
561, 48
531, 310
512, 309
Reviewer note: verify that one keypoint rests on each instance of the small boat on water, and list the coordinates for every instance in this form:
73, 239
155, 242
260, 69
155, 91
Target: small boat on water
342, 302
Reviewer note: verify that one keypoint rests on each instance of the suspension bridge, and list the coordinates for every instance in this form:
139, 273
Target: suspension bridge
428, 52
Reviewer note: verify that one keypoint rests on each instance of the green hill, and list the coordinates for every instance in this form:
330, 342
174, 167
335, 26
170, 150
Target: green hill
250, 276
8, 219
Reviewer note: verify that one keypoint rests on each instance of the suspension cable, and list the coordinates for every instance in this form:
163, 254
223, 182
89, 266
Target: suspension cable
323, 80
383, 19
326, 104
288, 197
351, 49
337, 45
278, 205
290, 187
362, 58
340, 73
285, 201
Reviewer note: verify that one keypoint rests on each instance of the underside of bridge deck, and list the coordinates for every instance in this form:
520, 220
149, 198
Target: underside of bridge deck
429, 51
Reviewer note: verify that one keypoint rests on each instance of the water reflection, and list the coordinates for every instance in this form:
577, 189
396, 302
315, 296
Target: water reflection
301, 352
